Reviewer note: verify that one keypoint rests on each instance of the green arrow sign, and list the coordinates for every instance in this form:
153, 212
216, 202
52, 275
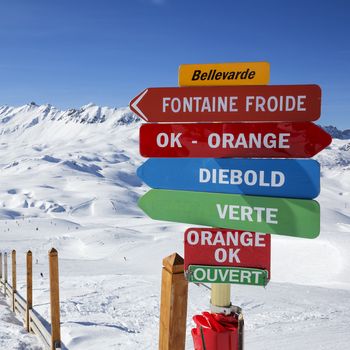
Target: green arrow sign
232, 275
288, 217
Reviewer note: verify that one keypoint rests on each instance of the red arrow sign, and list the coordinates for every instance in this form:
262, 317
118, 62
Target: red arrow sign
219, 247
229, 103
217, 140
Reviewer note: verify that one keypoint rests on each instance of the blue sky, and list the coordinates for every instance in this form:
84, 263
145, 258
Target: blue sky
70, 53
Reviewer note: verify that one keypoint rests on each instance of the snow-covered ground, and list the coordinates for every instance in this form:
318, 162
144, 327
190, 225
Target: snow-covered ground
12, 333
68, 181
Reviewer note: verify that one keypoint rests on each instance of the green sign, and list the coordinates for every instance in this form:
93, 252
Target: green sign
232, 275
282, 216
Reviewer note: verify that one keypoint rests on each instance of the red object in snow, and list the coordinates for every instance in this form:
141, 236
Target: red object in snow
217, 332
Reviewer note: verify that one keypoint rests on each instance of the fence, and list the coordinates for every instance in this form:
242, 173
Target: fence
50, 336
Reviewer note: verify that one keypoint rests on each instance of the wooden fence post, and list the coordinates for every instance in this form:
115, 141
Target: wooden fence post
29, 288
14, 280
0, 266
5, 273
54, 300
173, 307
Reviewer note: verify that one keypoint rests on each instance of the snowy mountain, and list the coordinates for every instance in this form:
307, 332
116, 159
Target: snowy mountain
19, 118
68, 180
15, 118
336, 133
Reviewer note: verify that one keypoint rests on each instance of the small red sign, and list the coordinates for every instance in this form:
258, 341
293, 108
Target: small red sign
230, 248
244, 140
229, 103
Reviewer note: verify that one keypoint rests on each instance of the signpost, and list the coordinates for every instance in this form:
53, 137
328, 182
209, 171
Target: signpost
230, 248
218, 140
224, 74
231, 275
200, 135
261, 177
229, 103
282, 216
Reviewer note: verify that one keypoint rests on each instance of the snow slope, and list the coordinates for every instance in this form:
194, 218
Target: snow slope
68, 181
12, 333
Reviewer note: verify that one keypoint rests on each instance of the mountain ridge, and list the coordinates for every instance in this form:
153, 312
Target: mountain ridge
337, 133
14, 119
90, 114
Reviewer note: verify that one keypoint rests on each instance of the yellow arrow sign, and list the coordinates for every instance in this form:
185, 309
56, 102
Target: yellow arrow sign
220, 74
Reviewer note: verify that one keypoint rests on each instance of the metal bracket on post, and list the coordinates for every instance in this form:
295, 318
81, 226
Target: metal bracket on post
220, 309
232, 309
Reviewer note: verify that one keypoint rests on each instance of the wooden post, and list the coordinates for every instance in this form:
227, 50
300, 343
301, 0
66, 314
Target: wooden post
173, 307
5, 273
0, 266
54, 300
14, 280
29, 288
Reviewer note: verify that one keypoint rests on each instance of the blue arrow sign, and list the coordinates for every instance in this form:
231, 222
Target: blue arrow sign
259, 177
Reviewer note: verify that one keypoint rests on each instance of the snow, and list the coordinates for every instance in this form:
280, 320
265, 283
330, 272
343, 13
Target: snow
68, 180
12, 333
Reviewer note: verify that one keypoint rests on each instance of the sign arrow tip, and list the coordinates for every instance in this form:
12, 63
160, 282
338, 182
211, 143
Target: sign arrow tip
133, 105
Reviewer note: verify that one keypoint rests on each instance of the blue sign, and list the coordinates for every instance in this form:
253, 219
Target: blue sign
259, 177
